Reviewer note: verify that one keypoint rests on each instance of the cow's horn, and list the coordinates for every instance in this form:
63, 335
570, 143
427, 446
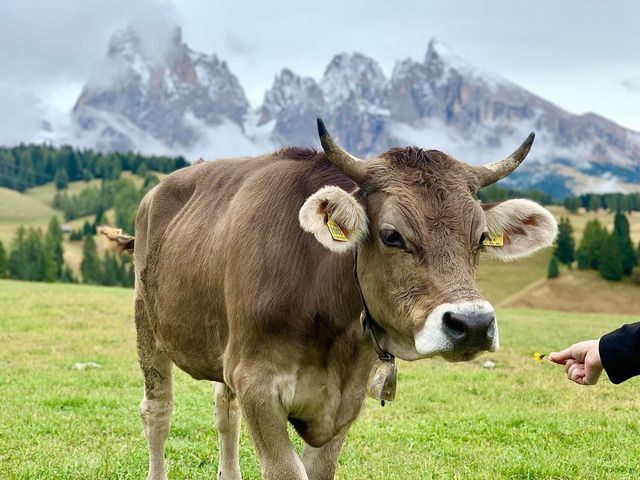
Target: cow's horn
493, 172
351, 166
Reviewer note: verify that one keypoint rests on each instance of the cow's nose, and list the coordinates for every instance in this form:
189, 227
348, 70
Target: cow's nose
469, 329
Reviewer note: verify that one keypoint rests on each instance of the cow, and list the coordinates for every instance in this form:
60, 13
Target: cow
286, 279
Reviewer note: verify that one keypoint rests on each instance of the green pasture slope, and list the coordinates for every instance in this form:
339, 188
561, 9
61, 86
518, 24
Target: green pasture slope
519, 420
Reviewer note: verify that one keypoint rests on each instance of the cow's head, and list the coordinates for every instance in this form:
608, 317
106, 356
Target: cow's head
419, 230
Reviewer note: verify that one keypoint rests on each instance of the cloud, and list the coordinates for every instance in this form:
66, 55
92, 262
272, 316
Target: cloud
631, 84
44, 48
237, 45
21, 117
61, 39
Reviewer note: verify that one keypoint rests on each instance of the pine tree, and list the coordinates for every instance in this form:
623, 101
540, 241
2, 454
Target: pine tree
611, 259
565, 245
17, 257
553, 271
590, 245
36, 262
583, 261
90, 265
110, 270
55, 250
88, 229
61, 179
622, 234
67, 275
4, 262
572, 204
126, 272
594, 203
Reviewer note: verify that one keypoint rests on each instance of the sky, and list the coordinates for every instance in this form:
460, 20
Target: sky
583, 55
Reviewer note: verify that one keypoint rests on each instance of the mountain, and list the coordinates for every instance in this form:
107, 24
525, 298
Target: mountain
168, 98
149, 98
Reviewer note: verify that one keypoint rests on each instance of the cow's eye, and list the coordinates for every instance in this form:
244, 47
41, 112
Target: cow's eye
391, 238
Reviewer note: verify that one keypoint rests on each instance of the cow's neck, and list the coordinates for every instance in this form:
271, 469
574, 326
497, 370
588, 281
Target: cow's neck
342, 302
337, 356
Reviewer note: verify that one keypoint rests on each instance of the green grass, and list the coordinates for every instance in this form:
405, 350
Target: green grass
520, 420
17, 208
45, 193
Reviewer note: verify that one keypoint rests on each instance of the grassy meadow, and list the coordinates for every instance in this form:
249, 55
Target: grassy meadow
520, 420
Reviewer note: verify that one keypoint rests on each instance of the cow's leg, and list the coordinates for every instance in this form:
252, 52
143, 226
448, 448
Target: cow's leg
157, 403
227, 417
261, 399
320, 463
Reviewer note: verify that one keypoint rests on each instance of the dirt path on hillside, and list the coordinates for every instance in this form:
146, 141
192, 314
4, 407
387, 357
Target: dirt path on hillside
579, 291
513, 298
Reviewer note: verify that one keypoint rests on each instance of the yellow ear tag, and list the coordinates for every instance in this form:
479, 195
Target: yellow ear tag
497, 241
336, 232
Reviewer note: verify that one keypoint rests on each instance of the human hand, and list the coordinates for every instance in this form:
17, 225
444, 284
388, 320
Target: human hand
581, 362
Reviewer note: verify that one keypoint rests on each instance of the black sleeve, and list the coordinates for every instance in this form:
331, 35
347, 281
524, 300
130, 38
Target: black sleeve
620, 353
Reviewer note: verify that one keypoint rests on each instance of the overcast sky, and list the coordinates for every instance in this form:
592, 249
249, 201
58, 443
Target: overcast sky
583, 55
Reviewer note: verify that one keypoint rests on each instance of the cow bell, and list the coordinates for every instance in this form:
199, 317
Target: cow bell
382, 380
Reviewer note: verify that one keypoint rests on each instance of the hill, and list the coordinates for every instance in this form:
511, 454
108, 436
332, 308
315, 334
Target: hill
445, 420
580, 291
33, 208
523, 284
18, 208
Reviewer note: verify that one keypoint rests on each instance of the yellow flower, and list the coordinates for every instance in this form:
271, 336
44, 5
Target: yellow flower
539, 356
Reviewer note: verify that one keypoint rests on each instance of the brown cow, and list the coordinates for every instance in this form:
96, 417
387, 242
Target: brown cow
231, 289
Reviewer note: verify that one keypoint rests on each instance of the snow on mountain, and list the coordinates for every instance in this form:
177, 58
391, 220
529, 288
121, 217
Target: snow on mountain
166, 98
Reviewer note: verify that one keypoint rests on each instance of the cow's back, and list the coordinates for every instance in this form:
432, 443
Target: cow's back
191, 249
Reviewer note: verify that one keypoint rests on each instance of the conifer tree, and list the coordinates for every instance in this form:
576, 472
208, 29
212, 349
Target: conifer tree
110, 270
590, 245
622, 235
67, 275
126, 272
55, 250
36, 266
90, 265
553, 271
17, 257
4, 262
594, 203
611, 259
565, 245
572, 204
61, 179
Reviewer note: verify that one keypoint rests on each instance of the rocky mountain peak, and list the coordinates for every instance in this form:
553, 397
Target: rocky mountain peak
290, 90
353, 75
157, 89
156, 94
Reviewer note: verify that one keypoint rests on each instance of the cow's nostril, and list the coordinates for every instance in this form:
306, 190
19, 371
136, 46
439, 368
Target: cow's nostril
455, 327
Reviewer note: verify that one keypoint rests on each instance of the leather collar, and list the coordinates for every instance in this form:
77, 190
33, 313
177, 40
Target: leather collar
366, 318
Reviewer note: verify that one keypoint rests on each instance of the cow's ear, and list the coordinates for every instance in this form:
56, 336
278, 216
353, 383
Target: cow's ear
524, 226
335, 218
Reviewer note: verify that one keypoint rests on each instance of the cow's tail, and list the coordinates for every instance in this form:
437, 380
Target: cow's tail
120, 241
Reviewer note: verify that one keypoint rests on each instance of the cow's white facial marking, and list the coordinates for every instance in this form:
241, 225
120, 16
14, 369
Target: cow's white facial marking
343, 209
465, 329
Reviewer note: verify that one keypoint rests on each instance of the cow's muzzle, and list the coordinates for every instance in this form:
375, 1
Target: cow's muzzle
459, 331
